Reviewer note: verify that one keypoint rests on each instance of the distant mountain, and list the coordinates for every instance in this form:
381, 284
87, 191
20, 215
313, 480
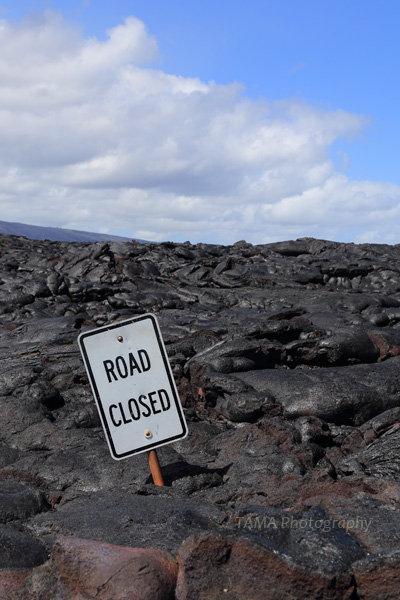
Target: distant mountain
56, 234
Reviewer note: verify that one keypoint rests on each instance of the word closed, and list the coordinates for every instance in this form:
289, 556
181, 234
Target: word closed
144, 406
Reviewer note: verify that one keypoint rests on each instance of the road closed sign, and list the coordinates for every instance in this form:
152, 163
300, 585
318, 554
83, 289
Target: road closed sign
133, 386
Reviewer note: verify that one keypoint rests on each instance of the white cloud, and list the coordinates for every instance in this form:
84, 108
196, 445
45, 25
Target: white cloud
92, 137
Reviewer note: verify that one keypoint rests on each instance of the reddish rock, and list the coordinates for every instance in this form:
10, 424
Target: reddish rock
12, 581
394, 352
213, 567
92, 569
379, 342
377, 581
272, 491
328, 492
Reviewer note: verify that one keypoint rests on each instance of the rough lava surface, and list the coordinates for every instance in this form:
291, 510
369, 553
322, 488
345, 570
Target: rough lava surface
287, 361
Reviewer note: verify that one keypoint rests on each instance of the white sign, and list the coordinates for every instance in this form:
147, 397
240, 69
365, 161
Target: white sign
133, 385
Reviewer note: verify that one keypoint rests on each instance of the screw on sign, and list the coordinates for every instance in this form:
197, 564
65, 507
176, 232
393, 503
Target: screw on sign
134, 388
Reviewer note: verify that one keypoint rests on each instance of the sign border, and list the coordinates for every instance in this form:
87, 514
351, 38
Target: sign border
96, 394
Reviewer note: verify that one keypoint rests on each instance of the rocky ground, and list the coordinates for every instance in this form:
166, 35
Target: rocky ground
286, 357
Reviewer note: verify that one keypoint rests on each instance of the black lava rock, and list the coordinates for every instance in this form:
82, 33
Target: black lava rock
287, 361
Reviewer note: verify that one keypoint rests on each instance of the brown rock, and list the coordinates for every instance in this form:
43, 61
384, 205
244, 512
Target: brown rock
216, 567
12, 581
92, 569
329, 492
379, 578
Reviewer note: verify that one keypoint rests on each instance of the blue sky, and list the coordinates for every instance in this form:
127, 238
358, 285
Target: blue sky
248, 119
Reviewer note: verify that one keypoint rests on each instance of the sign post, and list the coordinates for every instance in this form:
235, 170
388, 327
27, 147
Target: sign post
134, 388
155, 467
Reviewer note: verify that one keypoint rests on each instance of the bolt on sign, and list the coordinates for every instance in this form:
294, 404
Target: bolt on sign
133, 386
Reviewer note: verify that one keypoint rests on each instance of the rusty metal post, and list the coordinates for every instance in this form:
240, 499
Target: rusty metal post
155, 467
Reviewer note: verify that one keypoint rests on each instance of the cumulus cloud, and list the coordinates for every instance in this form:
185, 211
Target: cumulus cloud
93, 137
